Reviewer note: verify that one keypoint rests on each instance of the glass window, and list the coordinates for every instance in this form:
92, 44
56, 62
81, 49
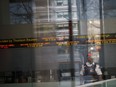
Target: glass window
59, 15
65, 2
59, 2
41, 47
65, 15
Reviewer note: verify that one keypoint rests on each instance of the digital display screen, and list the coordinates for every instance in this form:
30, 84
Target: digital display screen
54, 41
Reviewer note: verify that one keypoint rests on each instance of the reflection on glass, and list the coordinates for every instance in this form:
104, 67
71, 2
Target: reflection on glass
20, 11
42, 51
94, 39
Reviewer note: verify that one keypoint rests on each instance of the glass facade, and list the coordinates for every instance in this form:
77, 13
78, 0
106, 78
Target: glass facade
44, 43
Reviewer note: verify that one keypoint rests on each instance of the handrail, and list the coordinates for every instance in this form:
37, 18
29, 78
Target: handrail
96, 83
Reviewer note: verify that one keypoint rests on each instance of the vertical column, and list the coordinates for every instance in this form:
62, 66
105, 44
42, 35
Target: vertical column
71, 39
4, 12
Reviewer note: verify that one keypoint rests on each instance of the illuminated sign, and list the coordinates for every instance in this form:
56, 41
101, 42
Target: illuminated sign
54, 41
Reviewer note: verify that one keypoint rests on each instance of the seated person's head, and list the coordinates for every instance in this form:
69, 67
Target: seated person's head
90, 60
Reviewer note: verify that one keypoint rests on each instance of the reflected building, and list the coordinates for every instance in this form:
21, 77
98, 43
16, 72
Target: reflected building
51, 21
47, 21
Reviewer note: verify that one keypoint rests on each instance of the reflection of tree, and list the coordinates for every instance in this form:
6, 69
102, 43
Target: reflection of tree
21, 11
93, 9
90, 12
88, 9
109, 8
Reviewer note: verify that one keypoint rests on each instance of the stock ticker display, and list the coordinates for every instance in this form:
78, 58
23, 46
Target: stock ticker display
55, 41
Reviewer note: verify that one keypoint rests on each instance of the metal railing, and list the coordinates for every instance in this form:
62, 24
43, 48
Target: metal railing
104, 83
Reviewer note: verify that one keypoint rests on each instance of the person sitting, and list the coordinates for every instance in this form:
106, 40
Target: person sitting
91, 71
